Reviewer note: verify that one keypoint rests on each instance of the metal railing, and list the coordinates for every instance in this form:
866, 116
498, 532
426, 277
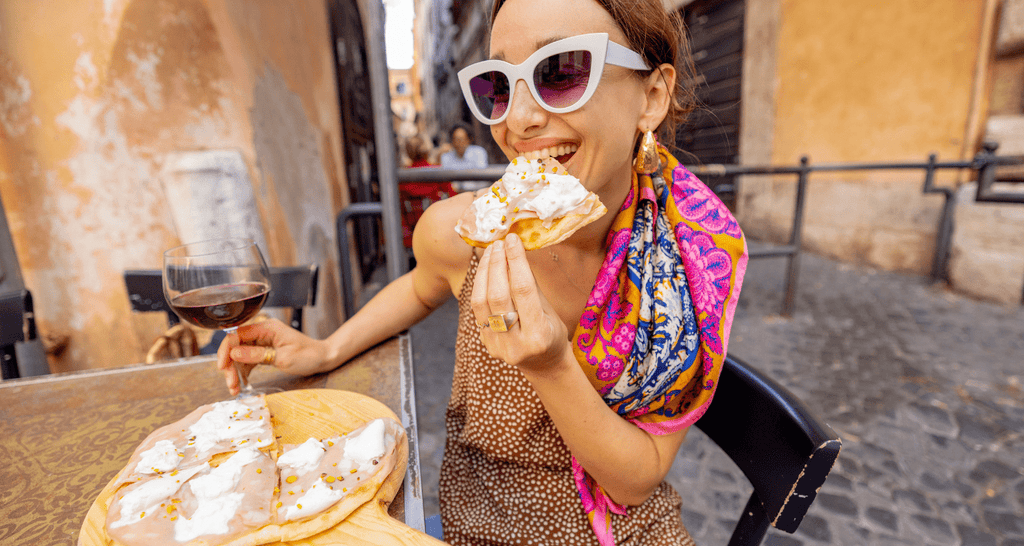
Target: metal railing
984, 163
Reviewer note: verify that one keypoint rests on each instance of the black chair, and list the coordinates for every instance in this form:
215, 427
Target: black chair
780, 445
293, 287
17, 324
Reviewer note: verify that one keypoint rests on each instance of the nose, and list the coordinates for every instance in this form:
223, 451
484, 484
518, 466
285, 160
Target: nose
524, 113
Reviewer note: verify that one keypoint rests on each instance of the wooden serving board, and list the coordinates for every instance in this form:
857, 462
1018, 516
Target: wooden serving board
297, 416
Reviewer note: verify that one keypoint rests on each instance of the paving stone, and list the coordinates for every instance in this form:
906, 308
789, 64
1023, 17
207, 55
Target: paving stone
781, 540
911, 498
965, 490
935, 529
838, 481
954, 510
721, 477
815, 527
693, 521
933, 419
1004, 523
997, 468
727, 502
972, 536
883, 517
839, 504
935, 483
995, 502
975, 432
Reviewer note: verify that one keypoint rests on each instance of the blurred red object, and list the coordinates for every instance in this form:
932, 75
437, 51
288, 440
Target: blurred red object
416, 197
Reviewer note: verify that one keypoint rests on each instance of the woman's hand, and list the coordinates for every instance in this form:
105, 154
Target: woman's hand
269, 342
504, 282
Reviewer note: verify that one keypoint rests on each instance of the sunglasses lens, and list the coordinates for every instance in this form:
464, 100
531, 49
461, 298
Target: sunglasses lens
490, 93
561, 79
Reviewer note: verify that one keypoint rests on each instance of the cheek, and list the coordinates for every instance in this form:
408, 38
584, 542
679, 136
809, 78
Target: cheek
498, 133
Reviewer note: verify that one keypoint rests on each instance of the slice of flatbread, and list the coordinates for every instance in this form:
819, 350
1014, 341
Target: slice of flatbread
237, 423
534, 235
537, 200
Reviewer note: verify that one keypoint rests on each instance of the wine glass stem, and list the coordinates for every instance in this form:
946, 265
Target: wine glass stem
243, 383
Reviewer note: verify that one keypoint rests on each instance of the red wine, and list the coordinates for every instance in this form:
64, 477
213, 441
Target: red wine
221, 306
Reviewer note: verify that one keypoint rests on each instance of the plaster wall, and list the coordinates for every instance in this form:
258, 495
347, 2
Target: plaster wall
97, 97
863, 81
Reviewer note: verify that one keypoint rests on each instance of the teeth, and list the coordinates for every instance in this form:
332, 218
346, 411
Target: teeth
553, 151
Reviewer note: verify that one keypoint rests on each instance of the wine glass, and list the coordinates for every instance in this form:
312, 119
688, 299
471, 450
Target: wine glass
218, 284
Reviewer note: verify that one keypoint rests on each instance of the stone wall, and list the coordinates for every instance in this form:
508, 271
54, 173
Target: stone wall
987, 253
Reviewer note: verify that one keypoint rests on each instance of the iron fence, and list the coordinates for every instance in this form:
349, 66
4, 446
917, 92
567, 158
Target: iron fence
984, 164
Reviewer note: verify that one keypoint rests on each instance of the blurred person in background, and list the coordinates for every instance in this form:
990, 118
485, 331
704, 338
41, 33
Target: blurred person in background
418, 152
417, 196
465, 155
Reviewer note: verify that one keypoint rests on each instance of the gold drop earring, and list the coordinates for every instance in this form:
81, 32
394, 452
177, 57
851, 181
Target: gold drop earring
647, 160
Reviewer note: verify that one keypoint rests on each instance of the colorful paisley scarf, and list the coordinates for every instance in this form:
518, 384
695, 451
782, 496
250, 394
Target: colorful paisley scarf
654, 333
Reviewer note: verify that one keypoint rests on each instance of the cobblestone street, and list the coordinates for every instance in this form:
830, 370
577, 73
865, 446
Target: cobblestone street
923, 385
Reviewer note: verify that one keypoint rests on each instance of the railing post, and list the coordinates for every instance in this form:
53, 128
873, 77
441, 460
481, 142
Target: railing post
793, 269
986, 169
341, 228
942, 239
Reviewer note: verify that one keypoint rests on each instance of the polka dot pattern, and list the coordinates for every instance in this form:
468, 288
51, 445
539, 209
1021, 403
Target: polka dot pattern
506, 477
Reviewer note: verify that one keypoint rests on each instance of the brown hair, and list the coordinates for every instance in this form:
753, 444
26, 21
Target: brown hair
660, 37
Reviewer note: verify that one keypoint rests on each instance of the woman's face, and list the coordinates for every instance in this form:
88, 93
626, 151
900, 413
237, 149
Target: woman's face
604, 130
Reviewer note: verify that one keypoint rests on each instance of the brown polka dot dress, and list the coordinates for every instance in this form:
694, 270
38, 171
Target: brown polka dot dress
507, 476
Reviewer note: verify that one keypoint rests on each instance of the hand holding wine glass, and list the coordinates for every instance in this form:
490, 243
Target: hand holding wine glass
217, 284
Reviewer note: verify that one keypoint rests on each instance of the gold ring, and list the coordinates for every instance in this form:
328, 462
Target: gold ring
269, 354
502, 321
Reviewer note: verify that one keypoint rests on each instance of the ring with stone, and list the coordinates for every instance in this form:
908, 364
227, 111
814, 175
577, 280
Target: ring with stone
502, 321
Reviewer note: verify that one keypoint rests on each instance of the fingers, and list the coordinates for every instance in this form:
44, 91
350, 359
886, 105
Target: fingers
253, 354
499, 300
522, 285
260, 333
245, 348
478, 299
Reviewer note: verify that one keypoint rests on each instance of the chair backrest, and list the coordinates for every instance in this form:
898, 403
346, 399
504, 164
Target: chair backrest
17, 323
780, 445
293, 287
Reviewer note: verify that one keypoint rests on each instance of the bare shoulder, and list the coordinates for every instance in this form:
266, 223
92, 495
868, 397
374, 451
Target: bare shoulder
439, 250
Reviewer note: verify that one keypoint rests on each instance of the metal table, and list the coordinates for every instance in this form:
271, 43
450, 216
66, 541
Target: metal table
64, 436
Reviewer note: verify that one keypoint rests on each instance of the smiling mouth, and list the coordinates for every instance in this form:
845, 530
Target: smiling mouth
561, 153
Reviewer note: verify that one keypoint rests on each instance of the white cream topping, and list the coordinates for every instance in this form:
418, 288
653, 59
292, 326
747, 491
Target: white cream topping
162, 457
225, 421
524, 189
146, 498
304, 458
368, 444
216, 504
319, 497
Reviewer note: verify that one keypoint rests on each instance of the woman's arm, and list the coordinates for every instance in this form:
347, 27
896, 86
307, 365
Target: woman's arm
626, 461
398, 306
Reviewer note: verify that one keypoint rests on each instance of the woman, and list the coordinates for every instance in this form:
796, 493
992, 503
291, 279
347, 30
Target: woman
561, 429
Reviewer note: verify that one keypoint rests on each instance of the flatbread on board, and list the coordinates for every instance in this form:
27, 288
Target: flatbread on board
293, 428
